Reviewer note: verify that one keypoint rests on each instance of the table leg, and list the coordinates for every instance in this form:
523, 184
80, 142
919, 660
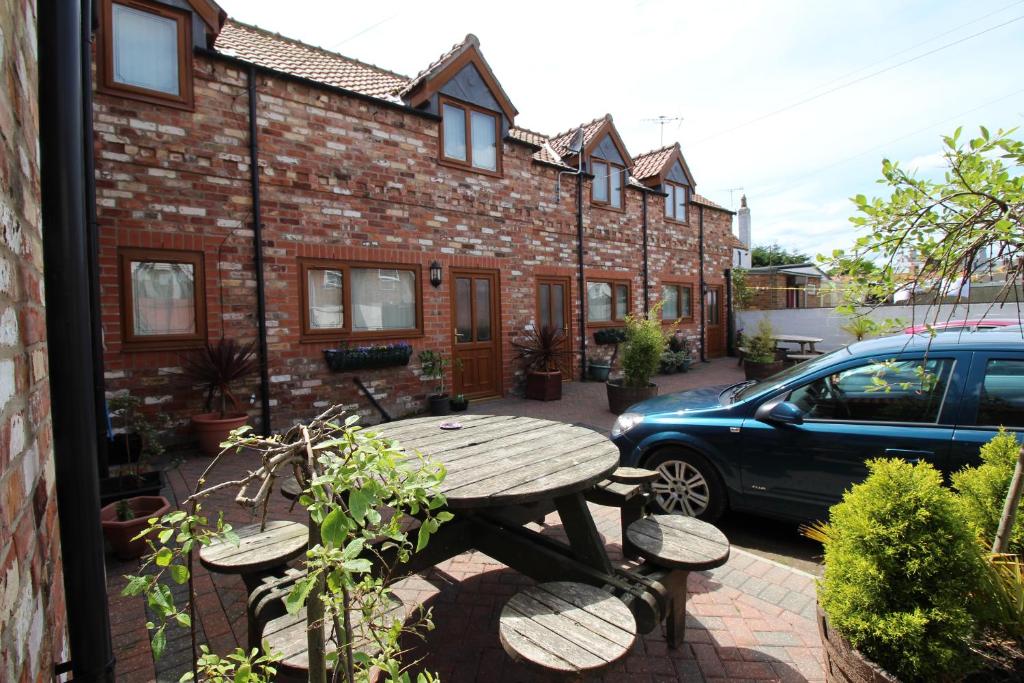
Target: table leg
675, 620
579, 526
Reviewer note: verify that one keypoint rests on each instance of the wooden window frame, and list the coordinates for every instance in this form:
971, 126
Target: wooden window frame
467, 110
616, 321
185, 99
309, 334
608, 184
675, 188
150, 342
680, 286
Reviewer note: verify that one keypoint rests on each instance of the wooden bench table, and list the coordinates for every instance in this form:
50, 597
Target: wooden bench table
681, 545
258, 553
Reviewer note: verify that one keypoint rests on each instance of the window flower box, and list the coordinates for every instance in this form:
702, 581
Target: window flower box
611, 335
351, 358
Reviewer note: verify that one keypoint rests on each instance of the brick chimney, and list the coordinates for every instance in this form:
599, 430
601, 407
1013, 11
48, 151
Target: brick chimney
743, 221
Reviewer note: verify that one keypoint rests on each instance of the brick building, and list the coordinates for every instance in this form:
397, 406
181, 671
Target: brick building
368, 184
32, 614
797, 285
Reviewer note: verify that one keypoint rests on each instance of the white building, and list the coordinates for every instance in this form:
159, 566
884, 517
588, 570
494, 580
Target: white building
741, 257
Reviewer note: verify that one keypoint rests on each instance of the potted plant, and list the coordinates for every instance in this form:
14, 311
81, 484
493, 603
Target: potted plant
759, 357
902, 573
459, 403
216, 368
123, 520
540, 352
609, 336
641, 354
433, 366
133, 447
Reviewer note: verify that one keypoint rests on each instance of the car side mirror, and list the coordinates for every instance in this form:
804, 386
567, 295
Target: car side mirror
782, 413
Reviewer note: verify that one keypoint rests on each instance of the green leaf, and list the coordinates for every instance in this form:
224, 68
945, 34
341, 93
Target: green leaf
135, 586
179, 573
357, 566
164, 557
183, 619
353, 549
334, 528
445, 516
159, 643
165, 535
242, 674
422, 537
298, 595
357, 504
187, 676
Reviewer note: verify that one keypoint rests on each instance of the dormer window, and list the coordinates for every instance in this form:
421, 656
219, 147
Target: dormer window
607, 188
675, 201
146, 52
469, 136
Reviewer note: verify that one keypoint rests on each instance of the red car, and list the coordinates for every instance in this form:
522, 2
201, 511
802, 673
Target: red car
962, 325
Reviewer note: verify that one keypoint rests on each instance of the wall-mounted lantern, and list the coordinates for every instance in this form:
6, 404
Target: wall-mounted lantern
435, 274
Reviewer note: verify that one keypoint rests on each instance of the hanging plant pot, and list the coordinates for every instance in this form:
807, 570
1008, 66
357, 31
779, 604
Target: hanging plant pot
368, 357
610, 335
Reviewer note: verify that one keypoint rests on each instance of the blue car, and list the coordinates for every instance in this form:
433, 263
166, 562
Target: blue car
790, 445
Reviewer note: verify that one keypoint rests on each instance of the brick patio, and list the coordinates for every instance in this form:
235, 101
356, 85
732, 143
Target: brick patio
752, 619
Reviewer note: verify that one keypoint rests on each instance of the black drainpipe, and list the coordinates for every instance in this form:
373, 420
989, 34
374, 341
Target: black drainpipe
92, 233
730, 322
647, 303
69, 338
257, 239
703, 294
582, 277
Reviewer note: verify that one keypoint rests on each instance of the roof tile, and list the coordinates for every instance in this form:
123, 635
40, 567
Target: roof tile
560, 142
651, 163
274, 51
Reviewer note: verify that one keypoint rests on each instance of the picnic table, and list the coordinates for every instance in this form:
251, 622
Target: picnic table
259, 551
800, 339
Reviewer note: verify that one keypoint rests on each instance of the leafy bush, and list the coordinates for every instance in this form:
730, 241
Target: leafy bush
761, 346
641, 353
900, 564
983, 490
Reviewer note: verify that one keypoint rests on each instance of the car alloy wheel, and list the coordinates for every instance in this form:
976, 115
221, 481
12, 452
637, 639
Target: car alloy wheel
682, 489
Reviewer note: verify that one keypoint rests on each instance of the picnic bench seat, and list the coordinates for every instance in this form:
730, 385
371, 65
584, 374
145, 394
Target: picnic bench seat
627, 488
568, 628
801, 357
680, 545
287, 636
266, 602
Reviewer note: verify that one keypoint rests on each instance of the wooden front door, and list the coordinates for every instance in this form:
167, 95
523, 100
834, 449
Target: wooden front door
476, 350
553, 311
714, 307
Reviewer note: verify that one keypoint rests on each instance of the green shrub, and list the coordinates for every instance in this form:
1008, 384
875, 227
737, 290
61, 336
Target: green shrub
900, 565
641, 352
761, 346
983, 490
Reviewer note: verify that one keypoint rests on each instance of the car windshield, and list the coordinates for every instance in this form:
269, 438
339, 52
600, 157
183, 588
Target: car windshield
778, 379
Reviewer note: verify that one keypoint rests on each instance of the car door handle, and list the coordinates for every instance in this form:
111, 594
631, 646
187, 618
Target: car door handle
911, 456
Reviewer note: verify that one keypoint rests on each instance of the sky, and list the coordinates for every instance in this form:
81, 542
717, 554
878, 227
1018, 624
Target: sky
793, 102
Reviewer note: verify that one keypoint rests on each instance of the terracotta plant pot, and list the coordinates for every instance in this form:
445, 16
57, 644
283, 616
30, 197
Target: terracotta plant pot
120, 533
212, 429
843, 663
621, 397
761, 370
544, 386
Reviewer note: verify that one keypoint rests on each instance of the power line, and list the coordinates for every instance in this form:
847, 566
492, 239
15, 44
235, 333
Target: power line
858, 80
364, 31
912, 47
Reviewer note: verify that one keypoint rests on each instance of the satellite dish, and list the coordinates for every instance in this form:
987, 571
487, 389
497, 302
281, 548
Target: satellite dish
576, 143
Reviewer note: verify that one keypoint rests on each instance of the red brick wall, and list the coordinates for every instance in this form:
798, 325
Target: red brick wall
32, 618
770, 289
341, 178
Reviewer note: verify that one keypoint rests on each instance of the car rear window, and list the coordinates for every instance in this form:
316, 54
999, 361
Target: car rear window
1002, 394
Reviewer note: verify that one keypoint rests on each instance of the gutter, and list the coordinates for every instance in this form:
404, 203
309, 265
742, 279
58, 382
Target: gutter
582, 277
60, 29
257, 239
701, 286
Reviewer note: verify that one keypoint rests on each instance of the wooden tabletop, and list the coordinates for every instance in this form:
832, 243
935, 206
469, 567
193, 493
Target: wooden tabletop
679, 542
798, 338
496, 460
257, 550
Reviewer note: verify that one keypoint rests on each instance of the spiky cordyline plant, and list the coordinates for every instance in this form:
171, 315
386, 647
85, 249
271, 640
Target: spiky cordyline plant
218, 366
